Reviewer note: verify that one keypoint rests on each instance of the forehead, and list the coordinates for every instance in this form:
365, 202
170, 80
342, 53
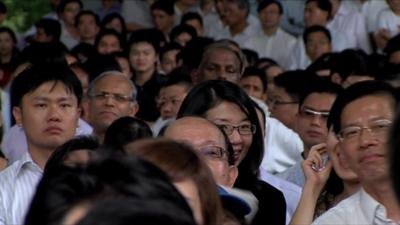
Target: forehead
319, 101
195, 131
109, 38
226, 111
280, 92
271, 7
222, 57
254, 79
50, 89
113, 82
317, 35
173, 90
142, 46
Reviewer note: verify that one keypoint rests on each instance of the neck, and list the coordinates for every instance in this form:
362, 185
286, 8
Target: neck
270, 30
238, 28
384, 194
40, 156
72, 30
142, 77
5, 58
306, 150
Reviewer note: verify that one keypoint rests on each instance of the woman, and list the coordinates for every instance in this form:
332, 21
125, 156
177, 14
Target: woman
228, 106
109, 41
8, 53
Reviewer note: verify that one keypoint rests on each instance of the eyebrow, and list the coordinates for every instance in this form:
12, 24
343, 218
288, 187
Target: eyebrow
370, 120
317, 110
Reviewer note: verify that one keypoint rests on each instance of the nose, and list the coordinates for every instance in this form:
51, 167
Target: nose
109, 101
54, 113
367, 138
316, 120
235, 138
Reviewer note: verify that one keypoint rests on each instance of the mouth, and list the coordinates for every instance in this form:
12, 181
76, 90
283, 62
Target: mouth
370, 158
108, 114
313, 133
54, 130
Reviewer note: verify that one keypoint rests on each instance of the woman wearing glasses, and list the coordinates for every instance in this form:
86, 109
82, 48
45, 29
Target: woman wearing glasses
228, 106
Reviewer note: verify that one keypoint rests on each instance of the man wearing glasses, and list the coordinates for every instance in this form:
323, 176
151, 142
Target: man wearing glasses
311, 123
111, 95
361, 118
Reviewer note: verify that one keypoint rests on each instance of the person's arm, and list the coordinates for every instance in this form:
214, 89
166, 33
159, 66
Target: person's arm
315, 181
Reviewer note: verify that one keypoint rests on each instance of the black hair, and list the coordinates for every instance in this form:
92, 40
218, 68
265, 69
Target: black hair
254, 71
166, 6
324, 5
251, 56
98, 64
191, 16
356, 91
178, 77
265, 3
64, 3
393, 45
320, 85
83, 50
125, 177
125, 130
324, 62
34, 76
351, 62
314, 29
148, 36
192, 53
242, 4
110, 17
87, 13
265, 60
10, 32
169, 47
295, 83
112, 32
43, 53
51, 27
180, 29
207, 95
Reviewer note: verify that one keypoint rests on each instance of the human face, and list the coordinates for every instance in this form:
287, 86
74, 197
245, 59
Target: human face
394, 6
367, 154
124, 64
314, 15
162, 20
233, 14
395, 57
317, 44
49, 116
352, 79
196, 25
168, 61
221, 64
115, 24
6, 43
41, 36
70, 11
190, 192
270, 16
142, 57
227, 113
102, 112
183, 38
282, 106
170, 100
108, 44
312, 116
87, 27
200, 134
253, 87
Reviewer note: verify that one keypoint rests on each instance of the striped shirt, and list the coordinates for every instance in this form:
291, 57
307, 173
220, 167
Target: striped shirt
17, 186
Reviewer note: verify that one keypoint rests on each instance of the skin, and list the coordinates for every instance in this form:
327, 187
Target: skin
227, 113
41, 36
168, 61
190, 192
143, 57
49, 116
87, 28
317, 44
253, 87
6, 44
103, 112
162, 20
115, 24
125, 67
170, 100
314, 15
199, 133
285, 113
68, 15
196, 25
109, 44
235, 18
183, 38
270, 18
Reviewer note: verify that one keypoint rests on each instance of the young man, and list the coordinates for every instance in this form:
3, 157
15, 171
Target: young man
87, 23
254, 82
45, 103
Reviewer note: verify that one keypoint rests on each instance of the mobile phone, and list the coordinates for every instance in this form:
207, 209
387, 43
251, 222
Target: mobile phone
325, 158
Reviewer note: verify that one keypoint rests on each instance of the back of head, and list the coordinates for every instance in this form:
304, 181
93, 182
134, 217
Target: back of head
51, 27
295, 83
151, 36
320, 85
166, 6
351, 62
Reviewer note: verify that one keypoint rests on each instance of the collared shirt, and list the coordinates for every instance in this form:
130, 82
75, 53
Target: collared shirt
294, 174
352, 24
17, 186
360, 208
277, 46
390, 21
66, 38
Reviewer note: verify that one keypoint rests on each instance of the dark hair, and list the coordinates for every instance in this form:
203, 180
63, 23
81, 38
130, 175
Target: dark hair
170, 47
10, 32
43, 53
192, 53
265, 3
87, 13
125, 177
324, 62
166, 6
316, 28
267, 61
356, 91
111, 32
251, 56
98, 64
110, 17
191, 16
393, 45
254, 71
351, 62
242, 4
323, 5
64, 3
209, 94
126, 130
34, 76
84, 50
394, 143
61, 153
180, 29
51, 27
295, 83
320, 85
178, 77
3, 8
148, 36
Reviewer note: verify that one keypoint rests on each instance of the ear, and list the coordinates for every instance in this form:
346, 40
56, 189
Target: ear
335, 78
233, 174
17, 113
134, 109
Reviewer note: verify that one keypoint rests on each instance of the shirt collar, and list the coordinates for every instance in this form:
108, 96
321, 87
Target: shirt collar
26, 162
373, 210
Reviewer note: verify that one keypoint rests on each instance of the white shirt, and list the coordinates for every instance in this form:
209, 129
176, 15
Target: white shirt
277, 46
138, 12
291, 192
360, 208
210, 21
283, 147
293, 16
352, 24
17, 187
66, 38
294, 175
390, 21
251, 29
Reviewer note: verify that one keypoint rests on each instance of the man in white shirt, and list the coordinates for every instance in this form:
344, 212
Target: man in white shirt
361, 117
45, 102
267, 41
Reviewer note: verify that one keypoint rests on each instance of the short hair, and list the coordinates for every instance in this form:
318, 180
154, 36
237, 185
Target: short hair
323, 5
110, 17
180, 29
94, 82
192, 53
316, 28
165, 6
324, 62
126, 130
34, 76
254, 71
148, 36
98, 64
51, 27
10, 32
264, 60
111, 32
191, 16
351, 62
295, 83
320, 85
265, 3
356, 91
170, 47
251, 56
64, 3
178, 77
87, 13
242, 4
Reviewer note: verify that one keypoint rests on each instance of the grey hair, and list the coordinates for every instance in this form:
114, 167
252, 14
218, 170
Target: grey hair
112, 73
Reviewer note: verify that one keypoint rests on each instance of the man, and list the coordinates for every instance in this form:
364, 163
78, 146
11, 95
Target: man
87, 23
47, 30
210, 142
311, 120
111, 95
67, 10
254, 83
45, 103
361, 117
163, 13
272, 37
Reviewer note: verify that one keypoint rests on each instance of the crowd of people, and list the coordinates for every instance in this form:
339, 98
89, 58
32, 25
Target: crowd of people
206, 112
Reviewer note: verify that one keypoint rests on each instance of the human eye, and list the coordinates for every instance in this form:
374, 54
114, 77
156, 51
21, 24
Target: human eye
40, 105
381, 125
351, 132
66, 105
246, 129
231, 69
212, 152
228, 129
